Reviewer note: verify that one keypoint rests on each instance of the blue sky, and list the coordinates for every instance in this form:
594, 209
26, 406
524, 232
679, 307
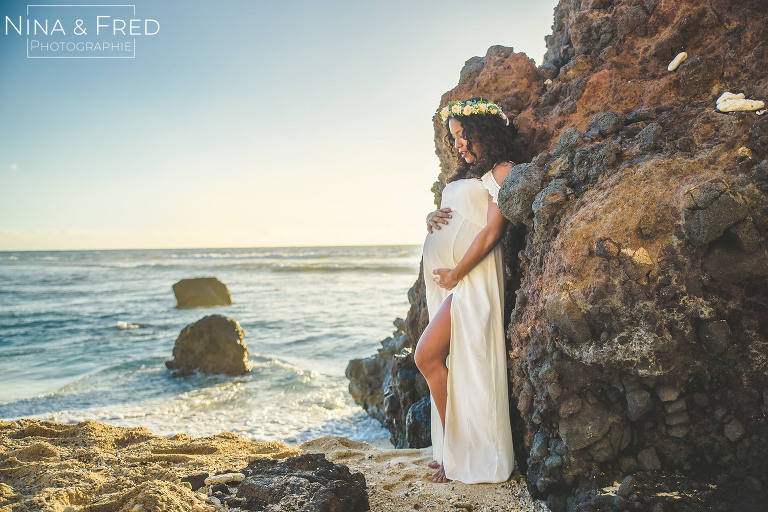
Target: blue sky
240, 123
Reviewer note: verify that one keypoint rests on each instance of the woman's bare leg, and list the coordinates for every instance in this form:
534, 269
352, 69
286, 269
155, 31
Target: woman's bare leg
431, 351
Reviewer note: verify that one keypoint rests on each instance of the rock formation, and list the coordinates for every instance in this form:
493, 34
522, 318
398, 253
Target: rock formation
201, 291
213, 344
637, 261
304, 482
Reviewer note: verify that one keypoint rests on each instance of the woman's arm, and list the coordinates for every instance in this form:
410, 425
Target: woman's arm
483, 243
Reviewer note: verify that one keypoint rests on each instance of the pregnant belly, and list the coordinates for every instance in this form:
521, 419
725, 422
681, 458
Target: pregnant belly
444, 248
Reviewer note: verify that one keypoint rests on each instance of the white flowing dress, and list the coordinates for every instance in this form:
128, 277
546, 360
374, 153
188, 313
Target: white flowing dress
477, 443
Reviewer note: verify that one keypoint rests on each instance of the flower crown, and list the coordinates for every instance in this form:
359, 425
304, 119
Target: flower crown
468, 107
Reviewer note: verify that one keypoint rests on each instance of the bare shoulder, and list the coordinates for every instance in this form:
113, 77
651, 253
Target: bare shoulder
501, 170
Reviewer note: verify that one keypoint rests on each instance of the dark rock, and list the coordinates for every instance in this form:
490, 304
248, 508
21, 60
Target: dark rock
638, 403
540, 446
570, 405
220, 489
697, 76
604, 125
730, 265
593, 161
641, 114
546, 202
569, 139
370, 378
627, 486
542, 159
648, 460
565, 314
553, 461
678, 430
213, 344
701, 399
591, 35
557, 502
746, 236
685, 144
558, 167
650, 137
407, 387
585, 427
306, 482
201, 291
667, 392
628, 464
710, 208
548, 70
518, 191
734, 430
607, 248
677, 418
753, 484
417, 424
714, 336
634, 20
196, 481
472, 68
676, 406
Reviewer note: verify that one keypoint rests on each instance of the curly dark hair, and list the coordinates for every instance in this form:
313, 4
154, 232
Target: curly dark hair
488, 131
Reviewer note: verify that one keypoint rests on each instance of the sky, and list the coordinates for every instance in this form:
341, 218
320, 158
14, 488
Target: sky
237, 123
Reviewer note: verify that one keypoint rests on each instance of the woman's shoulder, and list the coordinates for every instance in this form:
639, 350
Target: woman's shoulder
501, 170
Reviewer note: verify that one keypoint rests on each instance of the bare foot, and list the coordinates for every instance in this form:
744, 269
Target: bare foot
434, 464
439, 476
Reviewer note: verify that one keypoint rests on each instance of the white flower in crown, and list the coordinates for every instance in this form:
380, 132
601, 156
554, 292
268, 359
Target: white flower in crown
465, 108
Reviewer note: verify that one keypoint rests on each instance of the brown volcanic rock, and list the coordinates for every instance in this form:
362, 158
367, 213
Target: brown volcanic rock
638, 273
213, 344
201, 291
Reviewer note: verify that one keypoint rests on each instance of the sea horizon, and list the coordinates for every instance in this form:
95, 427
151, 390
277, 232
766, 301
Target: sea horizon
212, 247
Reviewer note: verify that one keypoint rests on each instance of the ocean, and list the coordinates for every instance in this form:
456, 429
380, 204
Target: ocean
84, 335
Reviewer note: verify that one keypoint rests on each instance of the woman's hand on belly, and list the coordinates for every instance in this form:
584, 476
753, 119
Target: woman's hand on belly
445, 278
438, 217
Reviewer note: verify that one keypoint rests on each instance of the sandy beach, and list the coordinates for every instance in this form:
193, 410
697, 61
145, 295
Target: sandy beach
91, 466
397, 480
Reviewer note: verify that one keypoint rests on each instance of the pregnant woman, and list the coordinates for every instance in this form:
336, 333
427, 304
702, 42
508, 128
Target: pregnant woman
461, 352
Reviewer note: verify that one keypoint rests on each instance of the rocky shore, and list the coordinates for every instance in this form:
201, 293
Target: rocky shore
636, 259
93, 467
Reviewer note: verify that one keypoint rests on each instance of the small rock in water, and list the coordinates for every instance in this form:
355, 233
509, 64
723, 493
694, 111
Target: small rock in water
677, 61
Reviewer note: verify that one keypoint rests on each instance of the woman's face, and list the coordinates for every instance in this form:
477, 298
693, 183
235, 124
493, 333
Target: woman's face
460, 143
